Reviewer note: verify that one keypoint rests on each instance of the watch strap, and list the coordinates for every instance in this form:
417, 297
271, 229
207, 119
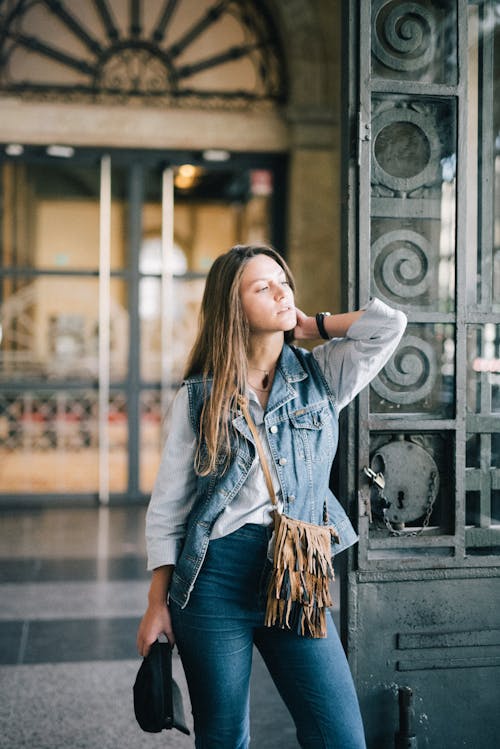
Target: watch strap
320, 322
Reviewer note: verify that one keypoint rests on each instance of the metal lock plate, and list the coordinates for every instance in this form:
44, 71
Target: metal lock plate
411, 479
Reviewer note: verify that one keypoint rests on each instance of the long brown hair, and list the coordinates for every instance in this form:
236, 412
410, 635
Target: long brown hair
220, 350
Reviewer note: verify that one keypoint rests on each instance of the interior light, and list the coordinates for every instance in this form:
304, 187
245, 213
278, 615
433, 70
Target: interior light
187, 176
183, 183
14, 149
62, 152
216, 154
187, 170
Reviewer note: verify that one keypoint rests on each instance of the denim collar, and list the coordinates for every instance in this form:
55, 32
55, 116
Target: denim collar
288, 371
289, 365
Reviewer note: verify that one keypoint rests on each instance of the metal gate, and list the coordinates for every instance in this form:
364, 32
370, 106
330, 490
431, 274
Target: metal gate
422, 227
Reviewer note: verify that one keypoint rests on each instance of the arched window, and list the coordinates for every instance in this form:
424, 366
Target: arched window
222, 53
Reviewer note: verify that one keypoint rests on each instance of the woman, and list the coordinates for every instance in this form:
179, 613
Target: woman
208, 523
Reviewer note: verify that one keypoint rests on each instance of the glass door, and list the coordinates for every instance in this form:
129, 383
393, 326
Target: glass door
103, 261
191, 212
49, 317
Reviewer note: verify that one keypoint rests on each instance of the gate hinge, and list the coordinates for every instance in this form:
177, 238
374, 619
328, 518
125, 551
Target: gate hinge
365, 505
364, 134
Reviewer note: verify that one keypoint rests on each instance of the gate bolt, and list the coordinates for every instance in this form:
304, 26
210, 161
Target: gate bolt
405, 738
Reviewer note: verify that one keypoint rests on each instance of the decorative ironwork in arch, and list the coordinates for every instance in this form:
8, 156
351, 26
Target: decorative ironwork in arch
176, 52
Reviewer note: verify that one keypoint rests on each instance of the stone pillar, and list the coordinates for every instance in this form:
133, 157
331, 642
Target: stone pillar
312, 40
314, 214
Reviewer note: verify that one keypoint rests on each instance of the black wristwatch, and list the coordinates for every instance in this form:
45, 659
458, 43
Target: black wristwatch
320, 322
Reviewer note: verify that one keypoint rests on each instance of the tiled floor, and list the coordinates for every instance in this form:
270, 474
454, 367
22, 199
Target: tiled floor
72, 590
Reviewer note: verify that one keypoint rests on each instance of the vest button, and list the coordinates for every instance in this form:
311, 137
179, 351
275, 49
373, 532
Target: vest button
291, 498
273, 429
282, 461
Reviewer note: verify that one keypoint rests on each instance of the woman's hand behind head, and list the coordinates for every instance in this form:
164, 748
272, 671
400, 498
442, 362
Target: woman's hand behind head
306, 328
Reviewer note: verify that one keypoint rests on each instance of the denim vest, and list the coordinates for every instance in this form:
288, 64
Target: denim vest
302, 431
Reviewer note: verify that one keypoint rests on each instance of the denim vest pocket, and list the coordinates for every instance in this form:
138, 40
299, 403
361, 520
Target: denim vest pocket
312, 431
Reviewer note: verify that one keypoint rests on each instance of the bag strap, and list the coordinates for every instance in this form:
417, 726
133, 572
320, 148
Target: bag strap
243, 403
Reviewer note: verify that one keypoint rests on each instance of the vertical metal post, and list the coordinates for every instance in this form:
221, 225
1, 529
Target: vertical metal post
167, 286
486, 184
135, 197
103, 543
486, 209
104, 325
463, 215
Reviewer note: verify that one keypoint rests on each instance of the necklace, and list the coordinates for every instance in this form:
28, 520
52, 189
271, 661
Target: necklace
260, 390
265, 379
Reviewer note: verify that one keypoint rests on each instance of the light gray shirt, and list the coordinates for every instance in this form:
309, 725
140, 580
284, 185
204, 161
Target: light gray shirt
348, 365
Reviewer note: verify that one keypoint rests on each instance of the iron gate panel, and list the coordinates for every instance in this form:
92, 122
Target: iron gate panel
449, 658
422, 585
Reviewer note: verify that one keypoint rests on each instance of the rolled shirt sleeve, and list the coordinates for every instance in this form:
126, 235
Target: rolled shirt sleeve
174, 489
350, 363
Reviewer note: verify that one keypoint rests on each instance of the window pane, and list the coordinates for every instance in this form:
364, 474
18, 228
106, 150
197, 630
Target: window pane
213, 210
118, 442
483, 164
473, 451
483, 369
495, 259
413, 203
155, 410
50, 216
151, 438
483, 497
49, 441
184, 304
414, 41
420, 377
48, 328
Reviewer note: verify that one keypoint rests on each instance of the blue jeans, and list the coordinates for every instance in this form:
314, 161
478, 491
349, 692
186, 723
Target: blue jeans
215, 635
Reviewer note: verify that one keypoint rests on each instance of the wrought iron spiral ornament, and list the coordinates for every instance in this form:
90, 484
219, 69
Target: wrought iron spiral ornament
403, 35
400, 264
410, 375
394, 157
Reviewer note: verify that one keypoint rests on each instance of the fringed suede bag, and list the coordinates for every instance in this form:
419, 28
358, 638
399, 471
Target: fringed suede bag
298, 595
